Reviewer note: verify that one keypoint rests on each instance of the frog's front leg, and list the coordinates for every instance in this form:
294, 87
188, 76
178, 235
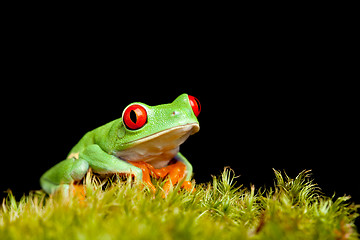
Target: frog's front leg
72, 169
62, 174
103, 163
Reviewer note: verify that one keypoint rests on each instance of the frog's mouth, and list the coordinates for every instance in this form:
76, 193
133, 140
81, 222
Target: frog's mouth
159, 148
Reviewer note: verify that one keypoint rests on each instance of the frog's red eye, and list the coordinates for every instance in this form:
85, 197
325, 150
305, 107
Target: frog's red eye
135, 117
195, 105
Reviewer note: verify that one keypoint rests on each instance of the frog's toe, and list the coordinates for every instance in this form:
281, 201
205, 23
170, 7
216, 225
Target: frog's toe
145, 174
188, 186
79, 192
176, 172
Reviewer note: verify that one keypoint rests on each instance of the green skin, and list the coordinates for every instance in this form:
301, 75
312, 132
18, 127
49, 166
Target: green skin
107, 149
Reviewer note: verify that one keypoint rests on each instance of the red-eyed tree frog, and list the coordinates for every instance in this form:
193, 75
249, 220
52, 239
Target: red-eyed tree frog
145, 139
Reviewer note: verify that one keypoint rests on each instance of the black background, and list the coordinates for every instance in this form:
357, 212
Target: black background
274, 94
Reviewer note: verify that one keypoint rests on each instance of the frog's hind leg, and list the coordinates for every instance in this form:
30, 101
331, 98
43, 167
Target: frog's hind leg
63, 174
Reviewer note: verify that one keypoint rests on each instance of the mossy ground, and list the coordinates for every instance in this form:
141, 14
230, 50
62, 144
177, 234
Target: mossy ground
292, 209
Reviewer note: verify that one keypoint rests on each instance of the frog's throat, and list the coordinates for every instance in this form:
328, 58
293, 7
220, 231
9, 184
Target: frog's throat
159, 148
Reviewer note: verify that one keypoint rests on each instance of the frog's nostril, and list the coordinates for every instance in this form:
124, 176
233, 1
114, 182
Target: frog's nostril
174, 113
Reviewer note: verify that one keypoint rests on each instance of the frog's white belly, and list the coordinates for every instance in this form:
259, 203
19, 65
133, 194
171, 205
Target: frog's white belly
158, 149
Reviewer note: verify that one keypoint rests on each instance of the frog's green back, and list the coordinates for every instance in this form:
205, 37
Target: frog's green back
103, 136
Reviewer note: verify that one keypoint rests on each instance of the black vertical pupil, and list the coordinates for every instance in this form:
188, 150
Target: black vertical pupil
133, 116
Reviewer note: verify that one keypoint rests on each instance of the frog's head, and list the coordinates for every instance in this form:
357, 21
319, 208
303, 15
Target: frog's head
145, 131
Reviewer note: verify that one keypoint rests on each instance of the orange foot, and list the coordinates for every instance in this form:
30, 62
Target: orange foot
145, 167
176, 173
79, 192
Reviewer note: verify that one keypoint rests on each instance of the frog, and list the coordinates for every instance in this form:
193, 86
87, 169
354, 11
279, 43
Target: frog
144, 141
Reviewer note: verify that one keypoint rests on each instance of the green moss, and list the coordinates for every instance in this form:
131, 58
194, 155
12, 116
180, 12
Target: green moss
292, 209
